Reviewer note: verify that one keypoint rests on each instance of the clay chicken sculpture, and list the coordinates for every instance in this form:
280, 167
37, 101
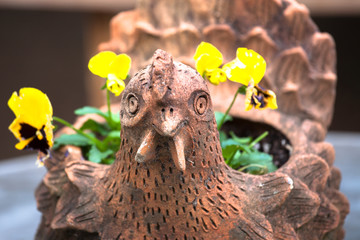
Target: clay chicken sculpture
169, 180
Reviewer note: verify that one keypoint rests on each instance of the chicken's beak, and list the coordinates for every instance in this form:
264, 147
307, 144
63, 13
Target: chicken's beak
177, 150
178, 137
146, 150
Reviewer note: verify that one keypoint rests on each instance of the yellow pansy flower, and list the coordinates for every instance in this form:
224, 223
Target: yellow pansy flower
114, 67
32, 125
208, 59
259, 98
247, 65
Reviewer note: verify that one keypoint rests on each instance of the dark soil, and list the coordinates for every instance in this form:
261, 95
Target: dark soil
275, 143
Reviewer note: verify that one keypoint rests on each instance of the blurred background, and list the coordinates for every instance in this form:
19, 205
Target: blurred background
47, 44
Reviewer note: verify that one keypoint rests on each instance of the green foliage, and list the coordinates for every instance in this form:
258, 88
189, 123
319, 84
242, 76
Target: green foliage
89, 110
240, 154
97, 156
219, 116
71, 139
95, 127
98, 140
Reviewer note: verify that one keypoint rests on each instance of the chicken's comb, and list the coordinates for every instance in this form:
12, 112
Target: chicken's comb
162, 72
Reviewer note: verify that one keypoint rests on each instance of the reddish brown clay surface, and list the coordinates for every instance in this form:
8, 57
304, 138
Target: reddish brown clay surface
170, 181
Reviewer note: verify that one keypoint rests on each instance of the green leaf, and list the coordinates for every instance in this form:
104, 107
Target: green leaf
96, 156
113, 135
90, 110
235, 162
229, 152
108, 161
230, 141
94, 126
244, 140
256, 158
115, 117
71, 139
222, 136
220, 115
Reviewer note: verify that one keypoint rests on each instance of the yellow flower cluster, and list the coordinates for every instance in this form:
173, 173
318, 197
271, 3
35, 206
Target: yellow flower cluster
248, 68
114, 68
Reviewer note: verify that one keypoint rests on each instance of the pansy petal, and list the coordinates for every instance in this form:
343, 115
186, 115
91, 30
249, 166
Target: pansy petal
39, 162
254, 62
120, 66
49, 133
249, 96
208, 48
13, 103
236, 71
259, 98
216, 76
115, 85
41, 158
15, 128
200, 64
23, 143
271, 99
206, 63
207, 58
100, 63
33, 107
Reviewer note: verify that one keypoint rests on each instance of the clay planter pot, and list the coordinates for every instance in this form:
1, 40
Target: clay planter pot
203, 198
169, 180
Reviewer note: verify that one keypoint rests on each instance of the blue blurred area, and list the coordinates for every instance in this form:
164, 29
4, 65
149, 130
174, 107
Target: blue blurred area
19, 178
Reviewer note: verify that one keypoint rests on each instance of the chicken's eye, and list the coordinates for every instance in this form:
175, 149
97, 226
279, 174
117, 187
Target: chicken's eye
133, 104
201, 104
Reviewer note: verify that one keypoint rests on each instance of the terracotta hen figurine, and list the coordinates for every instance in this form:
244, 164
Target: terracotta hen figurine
169, 180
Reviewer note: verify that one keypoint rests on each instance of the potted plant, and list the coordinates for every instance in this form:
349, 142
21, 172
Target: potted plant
170, 182
174, 150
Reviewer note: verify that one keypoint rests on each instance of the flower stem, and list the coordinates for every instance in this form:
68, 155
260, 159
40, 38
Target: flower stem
97, 142
109, 106
258, 139
228, 110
